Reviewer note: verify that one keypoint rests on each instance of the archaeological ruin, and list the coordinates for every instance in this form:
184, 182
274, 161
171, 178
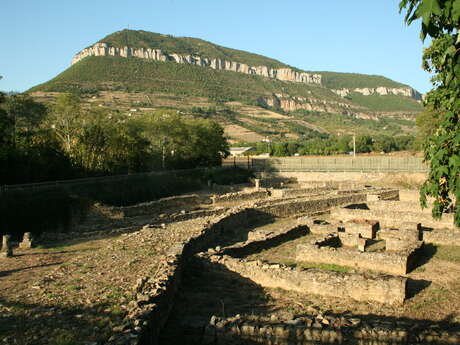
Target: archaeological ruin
271, 263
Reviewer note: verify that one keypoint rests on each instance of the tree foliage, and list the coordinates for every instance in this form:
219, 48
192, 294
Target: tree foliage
441, 21
68, 140
331, 145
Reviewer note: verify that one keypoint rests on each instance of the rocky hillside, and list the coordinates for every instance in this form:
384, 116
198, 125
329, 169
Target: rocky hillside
191, 72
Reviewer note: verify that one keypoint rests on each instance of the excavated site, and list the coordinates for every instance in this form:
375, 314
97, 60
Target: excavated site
280, 262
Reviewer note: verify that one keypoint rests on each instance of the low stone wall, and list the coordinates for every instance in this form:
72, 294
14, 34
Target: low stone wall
161, 205
239, 196
147, 314
400, 206
356, 177
184, 215
295, 192
392, 263
267, 181
406, 234
393, 219
389, 194
442, 237
357, 286
320, 329
310, 206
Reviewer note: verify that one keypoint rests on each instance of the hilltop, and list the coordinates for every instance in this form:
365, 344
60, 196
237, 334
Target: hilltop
253, 96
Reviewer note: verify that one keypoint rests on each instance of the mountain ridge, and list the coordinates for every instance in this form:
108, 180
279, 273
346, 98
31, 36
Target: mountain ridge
160, 47
190, 73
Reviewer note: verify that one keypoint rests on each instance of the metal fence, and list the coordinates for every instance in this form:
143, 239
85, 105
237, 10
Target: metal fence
359, 164
338, 164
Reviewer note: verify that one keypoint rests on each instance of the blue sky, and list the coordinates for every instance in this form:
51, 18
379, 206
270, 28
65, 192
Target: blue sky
39, 37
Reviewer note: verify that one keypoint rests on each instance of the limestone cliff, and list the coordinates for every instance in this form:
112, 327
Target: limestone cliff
285, 74
383, 91
288, 103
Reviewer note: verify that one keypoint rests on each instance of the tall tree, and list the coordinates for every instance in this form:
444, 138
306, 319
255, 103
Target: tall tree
65, 119
441, 21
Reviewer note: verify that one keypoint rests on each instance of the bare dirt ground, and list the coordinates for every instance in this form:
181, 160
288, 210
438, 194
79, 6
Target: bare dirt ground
76, 292
238, 133
256, 111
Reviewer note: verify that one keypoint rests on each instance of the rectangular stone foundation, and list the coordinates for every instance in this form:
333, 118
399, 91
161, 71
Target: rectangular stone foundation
357, 286
393, 219
393, 263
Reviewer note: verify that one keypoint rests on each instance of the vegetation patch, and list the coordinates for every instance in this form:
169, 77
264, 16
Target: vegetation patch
377, 102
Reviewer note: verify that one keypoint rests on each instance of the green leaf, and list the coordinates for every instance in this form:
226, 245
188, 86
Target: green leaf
457, 70
456, 12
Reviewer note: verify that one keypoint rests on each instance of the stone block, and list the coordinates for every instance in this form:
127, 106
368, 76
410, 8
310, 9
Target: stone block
410, 226
364, 228
408, 235
373, 197
362, 244
349, 239
395, 244
323, 229
27, 241
7, 250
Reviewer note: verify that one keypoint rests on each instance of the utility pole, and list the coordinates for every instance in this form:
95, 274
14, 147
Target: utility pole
354, 146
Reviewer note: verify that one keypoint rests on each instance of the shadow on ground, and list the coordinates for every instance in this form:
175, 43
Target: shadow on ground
40, 324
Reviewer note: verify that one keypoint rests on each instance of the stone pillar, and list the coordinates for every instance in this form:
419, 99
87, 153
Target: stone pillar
362, 244
7, 250
257, 183
27, 241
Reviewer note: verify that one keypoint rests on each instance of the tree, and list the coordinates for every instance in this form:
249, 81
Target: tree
363, 143
6, 125
441, 21
182, 142
383, 143
65, 119
343, 144
26, 113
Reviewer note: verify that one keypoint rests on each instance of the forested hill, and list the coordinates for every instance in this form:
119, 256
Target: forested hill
150, 71
186, 46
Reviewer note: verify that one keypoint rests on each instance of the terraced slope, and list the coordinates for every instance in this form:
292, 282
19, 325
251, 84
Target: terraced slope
190, 72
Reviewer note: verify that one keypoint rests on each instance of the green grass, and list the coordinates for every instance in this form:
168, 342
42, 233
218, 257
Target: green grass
321, 266
448, 253
195, 46
386, 103
337, 80
334, 123
64, 337
93, 74
132, 74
